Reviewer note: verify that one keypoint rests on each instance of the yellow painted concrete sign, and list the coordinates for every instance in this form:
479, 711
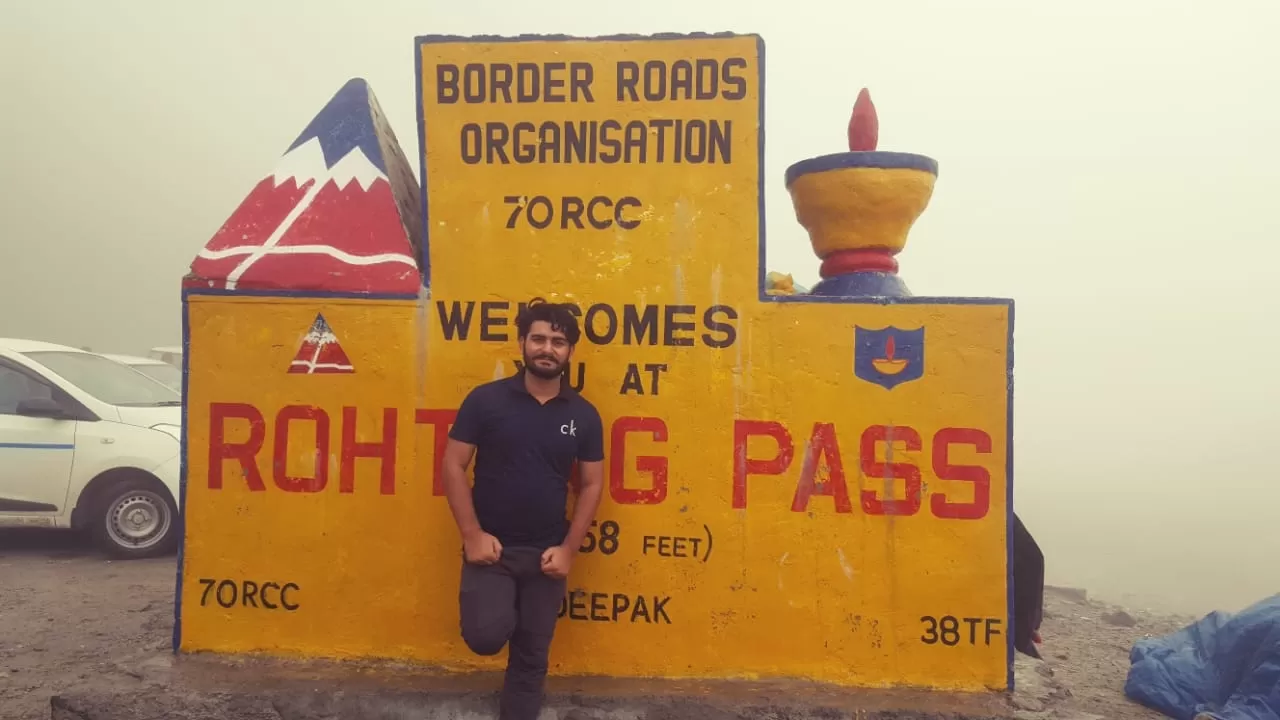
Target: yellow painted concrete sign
793, 487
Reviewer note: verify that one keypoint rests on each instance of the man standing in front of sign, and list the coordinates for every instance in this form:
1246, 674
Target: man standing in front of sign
525, 433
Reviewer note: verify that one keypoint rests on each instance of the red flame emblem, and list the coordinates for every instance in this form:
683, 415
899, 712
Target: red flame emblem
864, 126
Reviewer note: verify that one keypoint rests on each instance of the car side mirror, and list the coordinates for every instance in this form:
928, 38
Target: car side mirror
41, 407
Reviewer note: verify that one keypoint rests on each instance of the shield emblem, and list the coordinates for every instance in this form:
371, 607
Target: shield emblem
888, 357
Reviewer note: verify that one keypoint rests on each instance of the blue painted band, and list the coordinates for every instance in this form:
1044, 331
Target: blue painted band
556, 37
862, 284
881, 300
181, 522
306, 294
877, 159
811, 165
422, 41
36, 446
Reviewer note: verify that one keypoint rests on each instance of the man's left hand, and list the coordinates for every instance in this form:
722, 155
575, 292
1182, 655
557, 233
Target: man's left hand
556, 561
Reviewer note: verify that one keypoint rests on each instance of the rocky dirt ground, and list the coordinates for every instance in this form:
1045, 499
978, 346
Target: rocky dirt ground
1086, 656
72, 620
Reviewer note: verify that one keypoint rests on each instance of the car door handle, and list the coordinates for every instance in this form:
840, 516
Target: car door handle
108, 441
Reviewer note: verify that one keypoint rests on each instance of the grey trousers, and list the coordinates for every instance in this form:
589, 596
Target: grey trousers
512, 603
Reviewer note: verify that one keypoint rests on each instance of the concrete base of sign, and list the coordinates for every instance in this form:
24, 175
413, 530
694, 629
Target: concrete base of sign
209, 688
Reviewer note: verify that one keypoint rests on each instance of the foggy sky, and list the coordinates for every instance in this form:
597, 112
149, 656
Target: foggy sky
1110, 165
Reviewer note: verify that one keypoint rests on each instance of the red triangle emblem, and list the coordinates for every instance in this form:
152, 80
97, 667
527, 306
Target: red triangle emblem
320, 352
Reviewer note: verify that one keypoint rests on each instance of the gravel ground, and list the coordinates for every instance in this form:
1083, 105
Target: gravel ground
1086, 650
72, 620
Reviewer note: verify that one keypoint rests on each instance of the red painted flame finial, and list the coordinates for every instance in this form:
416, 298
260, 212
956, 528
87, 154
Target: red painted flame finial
889, 348
864, 126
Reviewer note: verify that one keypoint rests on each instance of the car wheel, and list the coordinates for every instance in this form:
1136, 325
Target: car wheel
135, 518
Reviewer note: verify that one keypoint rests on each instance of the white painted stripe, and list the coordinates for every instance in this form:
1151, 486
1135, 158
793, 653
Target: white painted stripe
260, 252
316, 365
333, 252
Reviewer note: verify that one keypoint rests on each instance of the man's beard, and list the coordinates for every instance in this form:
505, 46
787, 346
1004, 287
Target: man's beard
530, 364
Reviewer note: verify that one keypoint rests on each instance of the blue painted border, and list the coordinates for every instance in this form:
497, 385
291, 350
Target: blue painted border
761, 231
187, 293
435, 39
182, 466
422, 40
307, 294
36, 446
762, 296
420, 111
824, 162
927, 164
848, 160
1008, 500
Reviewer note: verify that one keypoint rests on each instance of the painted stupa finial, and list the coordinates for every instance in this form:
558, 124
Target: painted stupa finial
864, 126
858, 207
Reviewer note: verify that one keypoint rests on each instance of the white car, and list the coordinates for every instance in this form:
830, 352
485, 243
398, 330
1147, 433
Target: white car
88, 444
171, 354
152, 368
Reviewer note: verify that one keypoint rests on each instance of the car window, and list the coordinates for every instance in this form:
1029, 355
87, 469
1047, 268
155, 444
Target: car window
16, 387
167, 374
107, 380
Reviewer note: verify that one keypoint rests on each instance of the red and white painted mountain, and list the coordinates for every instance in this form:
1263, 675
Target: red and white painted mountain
337, 214
320, 352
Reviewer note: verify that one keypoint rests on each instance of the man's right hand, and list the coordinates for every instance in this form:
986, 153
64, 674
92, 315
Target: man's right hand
481, 548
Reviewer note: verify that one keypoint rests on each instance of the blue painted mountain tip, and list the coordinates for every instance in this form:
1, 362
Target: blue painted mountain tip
347, 121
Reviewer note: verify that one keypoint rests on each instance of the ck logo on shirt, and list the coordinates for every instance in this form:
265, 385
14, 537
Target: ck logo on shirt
571, 430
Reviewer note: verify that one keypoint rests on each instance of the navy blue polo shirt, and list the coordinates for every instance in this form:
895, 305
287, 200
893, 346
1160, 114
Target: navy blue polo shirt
525, 452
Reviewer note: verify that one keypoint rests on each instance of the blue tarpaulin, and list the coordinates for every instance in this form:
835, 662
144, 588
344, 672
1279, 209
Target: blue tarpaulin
1224, 666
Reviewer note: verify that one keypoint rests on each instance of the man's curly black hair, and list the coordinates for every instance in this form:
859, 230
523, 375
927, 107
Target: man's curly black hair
558, 315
